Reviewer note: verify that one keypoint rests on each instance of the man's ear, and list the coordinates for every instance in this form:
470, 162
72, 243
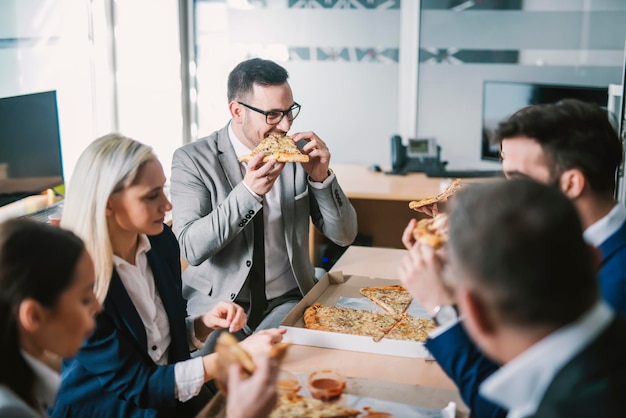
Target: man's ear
31, 315
572, 183
236, 111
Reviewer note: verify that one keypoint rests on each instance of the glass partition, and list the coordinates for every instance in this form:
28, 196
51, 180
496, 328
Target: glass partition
463, 44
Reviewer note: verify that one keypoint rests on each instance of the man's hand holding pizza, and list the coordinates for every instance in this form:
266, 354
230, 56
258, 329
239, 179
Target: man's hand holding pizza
421, 272
430, 210
319, 155
260, 176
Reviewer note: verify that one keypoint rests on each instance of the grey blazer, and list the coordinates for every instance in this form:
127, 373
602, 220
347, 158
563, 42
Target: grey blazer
13, 406
213, 210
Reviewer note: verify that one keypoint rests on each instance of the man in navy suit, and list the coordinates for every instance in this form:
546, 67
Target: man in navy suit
524, 280
572, 146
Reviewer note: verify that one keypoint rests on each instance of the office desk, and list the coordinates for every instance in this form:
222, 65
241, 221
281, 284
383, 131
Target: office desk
382, 200
428, 384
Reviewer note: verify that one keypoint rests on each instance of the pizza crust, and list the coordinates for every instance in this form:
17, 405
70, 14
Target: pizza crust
452, 188
280, 148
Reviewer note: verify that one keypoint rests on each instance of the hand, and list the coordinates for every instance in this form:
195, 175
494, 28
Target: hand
225, 315
408, 239
261, 341
260, 176
420, 272
430, 210
319, 155
255, 396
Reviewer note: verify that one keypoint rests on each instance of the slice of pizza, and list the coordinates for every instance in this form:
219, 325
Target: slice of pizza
231, 352
394, 299
348, 321
281, 148
452, 188
410, 328
432, 231
289, 406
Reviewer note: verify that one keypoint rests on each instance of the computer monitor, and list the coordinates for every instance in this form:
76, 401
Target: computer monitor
30, 145
503, 98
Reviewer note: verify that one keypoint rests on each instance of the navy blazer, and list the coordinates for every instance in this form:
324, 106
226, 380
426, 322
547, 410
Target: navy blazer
113, 375
612, 274
468, 367
592, 383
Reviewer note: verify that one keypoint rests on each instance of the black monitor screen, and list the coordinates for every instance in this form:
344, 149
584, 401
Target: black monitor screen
501, 99
30, 145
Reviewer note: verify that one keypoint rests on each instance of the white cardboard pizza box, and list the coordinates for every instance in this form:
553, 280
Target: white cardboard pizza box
327, 291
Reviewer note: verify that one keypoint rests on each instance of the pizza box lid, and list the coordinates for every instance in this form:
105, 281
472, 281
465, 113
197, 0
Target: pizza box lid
327, 291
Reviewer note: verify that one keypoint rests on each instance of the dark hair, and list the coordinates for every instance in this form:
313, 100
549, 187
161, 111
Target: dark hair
254, 71
37, 261
572, 134
521, 244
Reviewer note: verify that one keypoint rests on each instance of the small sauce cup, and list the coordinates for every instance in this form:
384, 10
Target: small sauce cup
287, 383
326, 384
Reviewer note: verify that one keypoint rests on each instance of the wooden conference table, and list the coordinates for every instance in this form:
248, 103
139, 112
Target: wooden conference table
400, 379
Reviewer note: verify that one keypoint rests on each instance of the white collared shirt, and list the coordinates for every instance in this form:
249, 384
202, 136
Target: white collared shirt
279, 277
602, 229
140, 286
520, 384
47, 383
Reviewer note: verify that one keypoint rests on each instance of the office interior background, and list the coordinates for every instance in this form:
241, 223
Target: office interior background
363, 70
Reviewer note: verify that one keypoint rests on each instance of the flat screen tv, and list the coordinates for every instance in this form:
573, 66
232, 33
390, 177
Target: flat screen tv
30, 145
502, 98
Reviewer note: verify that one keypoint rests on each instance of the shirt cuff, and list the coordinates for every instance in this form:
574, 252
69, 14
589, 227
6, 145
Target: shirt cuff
256, 196
189, 377
440, 330
325, 183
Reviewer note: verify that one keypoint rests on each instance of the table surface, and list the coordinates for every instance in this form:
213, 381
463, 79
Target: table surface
358, 182
380, 263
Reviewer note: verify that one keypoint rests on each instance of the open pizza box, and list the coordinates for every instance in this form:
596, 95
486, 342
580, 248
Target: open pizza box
327, 292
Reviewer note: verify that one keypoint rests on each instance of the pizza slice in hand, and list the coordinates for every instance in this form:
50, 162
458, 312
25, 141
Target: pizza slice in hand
432, 231
452, 188
281, 148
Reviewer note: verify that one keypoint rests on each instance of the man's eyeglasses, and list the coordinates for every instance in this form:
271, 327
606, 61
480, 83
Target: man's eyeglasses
273, 117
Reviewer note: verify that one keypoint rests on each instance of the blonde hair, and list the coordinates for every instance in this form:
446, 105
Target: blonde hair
108, 165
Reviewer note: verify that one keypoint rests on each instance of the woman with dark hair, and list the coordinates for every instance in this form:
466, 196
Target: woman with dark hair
47, 303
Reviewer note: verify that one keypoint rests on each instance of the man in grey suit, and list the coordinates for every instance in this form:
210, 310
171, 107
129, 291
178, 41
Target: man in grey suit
244, 228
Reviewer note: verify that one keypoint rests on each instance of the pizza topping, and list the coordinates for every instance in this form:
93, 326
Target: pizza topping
365, 323
281, 148
432, 231
290, 406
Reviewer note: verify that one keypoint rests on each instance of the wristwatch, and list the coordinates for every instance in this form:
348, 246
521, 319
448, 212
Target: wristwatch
444, 314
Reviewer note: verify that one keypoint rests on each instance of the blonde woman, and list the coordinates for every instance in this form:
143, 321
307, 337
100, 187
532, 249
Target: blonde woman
137, 362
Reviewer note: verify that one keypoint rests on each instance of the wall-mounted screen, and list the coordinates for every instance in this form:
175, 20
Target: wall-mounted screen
30, 145
501, 99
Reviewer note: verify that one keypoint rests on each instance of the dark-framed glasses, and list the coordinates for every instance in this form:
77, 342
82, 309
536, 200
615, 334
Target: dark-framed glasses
273, 117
